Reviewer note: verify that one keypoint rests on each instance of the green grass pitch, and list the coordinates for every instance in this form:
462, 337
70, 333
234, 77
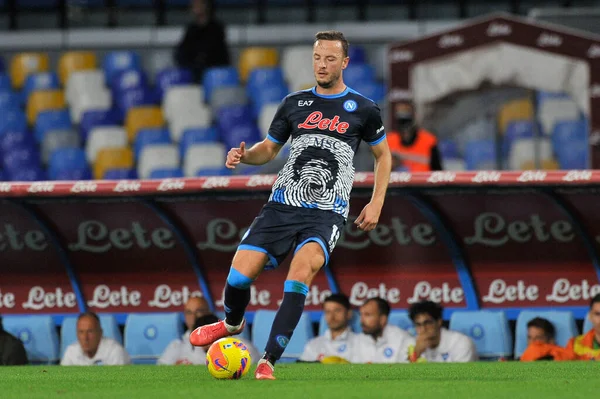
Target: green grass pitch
440, 381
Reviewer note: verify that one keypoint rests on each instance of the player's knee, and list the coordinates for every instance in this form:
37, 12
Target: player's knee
238, 280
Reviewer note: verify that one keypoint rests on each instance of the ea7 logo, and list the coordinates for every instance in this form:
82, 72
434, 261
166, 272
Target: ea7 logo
305, 103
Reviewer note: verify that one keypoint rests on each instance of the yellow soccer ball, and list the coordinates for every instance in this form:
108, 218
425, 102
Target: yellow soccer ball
228, 359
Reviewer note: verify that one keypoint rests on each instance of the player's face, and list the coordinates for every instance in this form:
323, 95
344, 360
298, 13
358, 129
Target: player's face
89, 334
328, 62
194, 308
536, 334
371, 321
336, 316
595, 317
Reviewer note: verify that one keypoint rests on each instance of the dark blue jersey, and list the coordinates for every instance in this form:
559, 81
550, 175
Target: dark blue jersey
325, 131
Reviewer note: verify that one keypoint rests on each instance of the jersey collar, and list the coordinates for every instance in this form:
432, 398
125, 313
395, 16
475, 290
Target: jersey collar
342, 94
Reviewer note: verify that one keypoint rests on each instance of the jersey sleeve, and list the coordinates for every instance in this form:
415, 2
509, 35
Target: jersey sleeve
373, 130
280, 129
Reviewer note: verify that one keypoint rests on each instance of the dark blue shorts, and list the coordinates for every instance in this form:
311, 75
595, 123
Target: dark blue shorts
279, 228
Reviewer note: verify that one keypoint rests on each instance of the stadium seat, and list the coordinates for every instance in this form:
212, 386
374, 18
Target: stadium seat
38, 334
24, 64
198, 135
68, 330
232, 116
158, 156
563, 321
448, 149
296, 66
142, 117
80, 82
574, 155
178, 98
546, 164
150, 136
25, 157
117, 61
357, 54
12, 120
357, 73
166, 173
97, 117
247, 132
218, 77
9, 101
518, 129
84, 173
554, 110
148, 334
268, 95
172, 77
127, 80
5, 84
201, 156
194, 116
104, 137
222, 171
587, 324
566, 132
256, 57
261, 327
521, 109
74, 61
229, 95
90, 100
53, 119
65, 159
372, 90
120, 174
137, 97
31, 173
265, 118
260, 78
481, 154
39, 81
11, 139
55, 139
43, 100
488, 329
524, 150
112, 158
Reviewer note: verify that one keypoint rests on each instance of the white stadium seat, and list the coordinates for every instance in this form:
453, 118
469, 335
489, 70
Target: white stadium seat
557, 110
157, 157
104, 137
189, 116
524, 150
181, 95
203, 156
83, 82
85, 101
266, 117
296, 62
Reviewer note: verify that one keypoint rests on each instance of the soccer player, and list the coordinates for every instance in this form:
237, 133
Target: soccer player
540, 343
587, 346
309, 203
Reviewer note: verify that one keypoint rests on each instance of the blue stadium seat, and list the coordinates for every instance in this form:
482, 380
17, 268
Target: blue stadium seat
480, 154
261, 327
51, 120
518, 129
64, 159
5, 84
15, 139
83, 173
357, 54
448, 149
574, 155
247, 132
31, 173
12, 120
97, 117
260, 78
148, 334
267, 95
38, 334
587, 324
488, 329
150, 136
197, 135
566, 132
219, 77
120, 174
371, 89
68, 330
214, 172
117, 61
9, 101
171, 77
134, 98
357, 73
166, 173
21, 157
235, 115
128, 79
3, 176
39, 81
563, 321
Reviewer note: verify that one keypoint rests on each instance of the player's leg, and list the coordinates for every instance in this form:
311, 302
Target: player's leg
305, 265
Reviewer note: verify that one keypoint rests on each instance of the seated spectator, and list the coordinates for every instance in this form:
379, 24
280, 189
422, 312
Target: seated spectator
180, 351
380, 342
541, 344
587, 346
12, 351
435, 343
91, 347
204, 43
337, 344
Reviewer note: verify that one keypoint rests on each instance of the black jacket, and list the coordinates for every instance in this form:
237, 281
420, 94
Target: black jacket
12, 351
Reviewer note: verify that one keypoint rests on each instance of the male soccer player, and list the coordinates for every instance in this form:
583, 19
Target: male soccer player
309, 202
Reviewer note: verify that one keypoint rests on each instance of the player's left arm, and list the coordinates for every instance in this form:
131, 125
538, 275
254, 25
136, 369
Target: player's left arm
369, 217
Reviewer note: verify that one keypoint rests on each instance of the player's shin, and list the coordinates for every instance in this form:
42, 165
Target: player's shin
237, 297
287, 318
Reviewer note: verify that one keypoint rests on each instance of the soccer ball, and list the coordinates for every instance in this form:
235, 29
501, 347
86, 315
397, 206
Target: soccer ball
228, 359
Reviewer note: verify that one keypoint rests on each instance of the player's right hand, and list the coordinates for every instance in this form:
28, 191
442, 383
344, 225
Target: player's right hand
234, 156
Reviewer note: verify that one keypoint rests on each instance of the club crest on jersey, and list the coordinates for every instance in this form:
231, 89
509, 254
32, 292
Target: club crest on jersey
316, 121
350, 105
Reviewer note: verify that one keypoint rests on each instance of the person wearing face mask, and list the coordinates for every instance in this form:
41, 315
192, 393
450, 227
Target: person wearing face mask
413, 148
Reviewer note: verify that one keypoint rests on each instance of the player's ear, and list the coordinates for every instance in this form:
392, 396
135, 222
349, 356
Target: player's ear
345, 62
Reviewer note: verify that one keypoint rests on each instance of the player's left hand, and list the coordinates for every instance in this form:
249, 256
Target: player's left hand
368, 218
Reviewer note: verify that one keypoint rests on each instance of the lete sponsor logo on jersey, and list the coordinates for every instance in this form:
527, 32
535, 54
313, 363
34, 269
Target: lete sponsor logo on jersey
316, 121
